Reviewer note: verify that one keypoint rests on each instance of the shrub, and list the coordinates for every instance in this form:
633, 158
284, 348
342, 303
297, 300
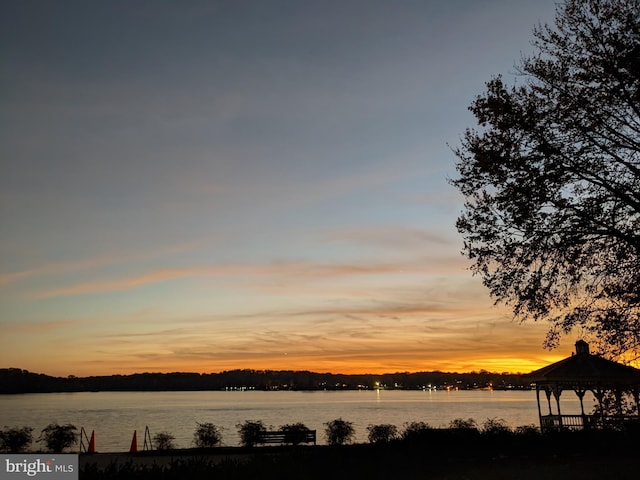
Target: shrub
250, 432
382, 433
15, 440
164, 441
339, 432
294, 433
529, 430
462, 424
207, 435
415, 431
58, 437
495, 426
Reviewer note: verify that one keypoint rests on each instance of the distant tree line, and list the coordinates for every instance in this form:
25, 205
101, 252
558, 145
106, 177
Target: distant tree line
15, 380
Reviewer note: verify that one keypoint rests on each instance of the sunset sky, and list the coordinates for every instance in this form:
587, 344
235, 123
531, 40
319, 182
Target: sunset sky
210, 185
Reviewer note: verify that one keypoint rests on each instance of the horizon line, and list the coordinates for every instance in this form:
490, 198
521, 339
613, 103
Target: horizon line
480, 371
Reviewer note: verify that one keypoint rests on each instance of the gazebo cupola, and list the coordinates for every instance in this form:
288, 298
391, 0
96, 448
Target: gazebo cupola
583, 372
582, 347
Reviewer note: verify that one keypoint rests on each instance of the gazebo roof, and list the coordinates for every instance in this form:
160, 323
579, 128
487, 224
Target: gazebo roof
582, 367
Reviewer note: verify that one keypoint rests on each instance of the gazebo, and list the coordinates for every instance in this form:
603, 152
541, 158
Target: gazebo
583, 372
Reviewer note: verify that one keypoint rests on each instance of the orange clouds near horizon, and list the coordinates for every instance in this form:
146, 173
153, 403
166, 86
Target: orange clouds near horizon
510, 366
317, 327
355, 362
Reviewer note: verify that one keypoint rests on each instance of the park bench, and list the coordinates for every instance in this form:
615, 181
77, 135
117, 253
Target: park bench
281, 437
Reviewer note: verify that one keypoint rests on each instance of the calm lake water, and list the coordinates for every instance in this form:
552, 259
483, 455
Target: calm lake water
115, 415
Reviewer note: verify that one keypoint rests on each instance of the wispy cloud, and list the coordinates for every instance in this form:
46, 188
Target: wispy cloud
119, 284
293, 270
13, 277
37, 328
105, 259
397, 237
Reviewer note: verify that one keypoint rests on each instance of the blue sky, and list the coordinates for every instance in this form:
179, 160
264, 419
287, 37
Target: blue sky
207, 185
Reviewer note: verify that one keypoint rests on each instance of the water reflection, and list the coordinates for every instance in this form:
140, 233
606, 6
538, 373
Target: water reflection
114, 415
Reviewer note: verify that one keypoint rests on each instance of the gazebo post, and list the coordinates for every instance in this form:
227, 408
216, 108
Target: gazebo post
580, 391
557, 391
599, 394
539, 409
547, 392
618, 395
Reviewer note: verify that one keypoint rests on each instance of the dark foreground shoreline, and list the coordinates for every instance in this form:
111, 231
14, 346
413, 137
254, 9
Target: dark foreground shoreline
440, 455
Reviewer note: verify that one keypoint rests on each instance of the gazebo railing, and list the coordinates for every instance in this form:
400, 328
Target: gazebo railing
566, 422
585, 422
